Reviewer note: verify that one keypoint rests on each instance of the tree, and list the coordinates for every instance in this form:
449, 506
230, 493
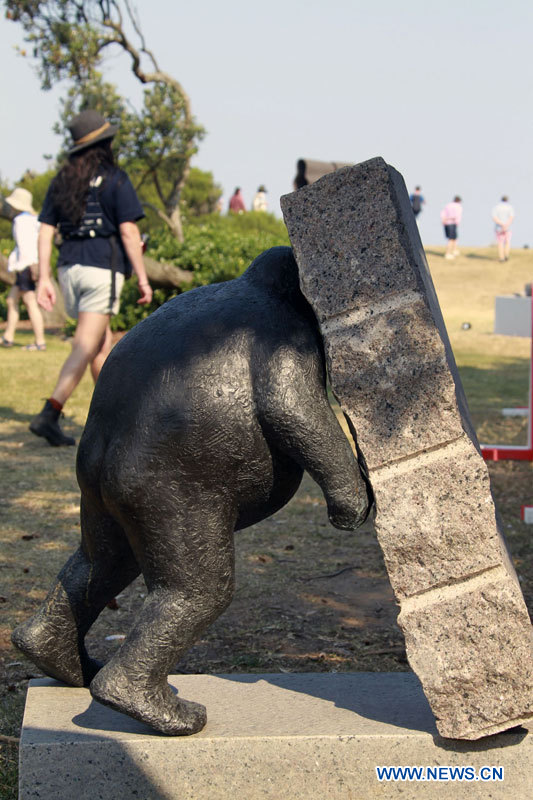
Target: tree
68, 40
200, 194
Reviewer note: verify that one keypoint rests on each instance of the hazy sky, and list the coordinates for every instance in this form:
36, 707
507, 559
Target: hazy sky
443, 91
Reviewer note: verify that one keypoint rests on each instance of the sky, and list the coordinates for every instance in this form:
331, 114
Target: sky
442, 91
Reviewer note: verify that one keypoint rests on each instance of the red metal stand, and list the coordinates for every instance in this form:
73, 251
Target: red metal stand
499, 452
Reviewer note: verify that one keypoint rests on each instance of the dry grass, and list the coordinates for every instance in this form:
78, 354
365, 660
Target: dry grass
308, 597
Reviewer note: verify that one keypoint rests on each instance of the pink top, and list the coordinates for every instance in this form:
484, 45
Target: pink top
237, 203
451, 214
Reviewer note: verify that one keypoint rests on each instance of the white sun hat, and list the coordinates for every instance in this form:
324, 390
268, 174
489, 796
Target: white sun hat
21, 200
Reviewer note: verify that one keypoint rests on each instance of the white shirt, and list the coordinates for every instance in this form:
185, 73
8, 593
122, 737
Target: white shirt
259, 202
503, 212
25, 233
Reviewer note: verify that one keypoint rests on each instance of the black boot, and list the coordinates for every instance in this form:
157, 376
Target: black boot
46, 424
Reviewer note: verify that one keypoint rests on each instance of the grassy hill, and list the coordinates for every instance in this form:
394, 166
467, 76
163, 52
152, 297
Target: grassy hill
494, 369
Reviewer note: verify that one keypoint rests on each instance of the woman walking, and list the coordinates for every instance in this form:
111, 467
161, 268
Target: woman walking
94, 207
23, 261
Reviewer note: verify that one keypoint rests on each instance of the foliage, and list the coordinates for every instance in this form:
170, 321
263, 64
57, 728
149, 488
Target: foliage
95, 93
200, 194
220, 248
37, 184
130, 313
215, 249
68, 39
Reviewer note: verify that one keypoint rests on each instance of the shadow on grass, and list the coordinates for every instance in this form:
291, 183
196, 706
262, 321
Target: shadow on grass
14, 416
480, 257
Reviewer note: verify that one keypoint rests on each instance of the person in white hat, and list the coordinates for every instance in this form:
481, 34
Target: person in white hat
23, 261
95, 208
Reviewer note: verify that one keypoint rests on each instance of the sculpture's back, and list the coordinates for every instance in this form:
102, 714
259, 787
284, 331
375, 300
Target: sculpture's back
202, 422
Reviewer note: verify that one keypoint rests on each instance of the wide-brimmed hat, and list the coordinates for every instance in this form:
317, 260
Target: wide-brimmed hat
88, 128
21, 200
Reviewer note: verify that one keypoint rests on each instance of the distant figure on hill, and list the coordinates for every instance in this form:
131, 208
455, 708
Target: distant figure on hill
236, 204
260, 201
300, 180
23, 261
451, 217
503, 216
417, 201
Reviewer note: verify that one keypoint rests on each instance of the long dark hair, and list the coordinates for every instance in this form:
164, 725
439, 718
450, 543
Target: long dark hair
71, 184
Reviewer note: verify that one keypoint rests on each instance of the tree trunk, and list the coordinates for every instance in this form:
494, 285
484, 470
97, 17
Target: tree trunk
175, 224
5, 276
7, 211
166, 276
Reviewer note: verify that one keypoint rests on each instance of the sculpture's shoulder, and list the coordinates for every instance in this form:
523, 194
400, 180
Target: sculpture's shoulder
274, 271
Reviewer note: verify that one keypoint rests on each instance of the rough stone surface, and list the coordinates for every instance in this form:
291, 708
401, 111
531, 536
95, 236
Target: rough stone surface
426, 507
300, 737
363, 269
470, 648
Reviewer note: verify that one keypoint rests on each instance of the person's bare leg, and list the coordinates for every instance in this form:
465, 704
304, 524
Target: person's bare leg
98, 361
450, 248
12, 313
507, 246
501, 249
87, 342
36, 318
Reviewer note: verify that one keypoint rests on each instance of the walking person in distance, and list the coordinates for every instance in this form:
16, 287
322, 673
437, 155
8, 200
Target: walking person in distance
451, 216
503, 216
23, 262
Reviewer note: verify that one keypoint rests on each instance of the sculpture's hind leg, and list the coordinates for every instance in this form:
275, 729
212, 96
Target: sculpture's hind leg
298, 419
186, 555
101, 567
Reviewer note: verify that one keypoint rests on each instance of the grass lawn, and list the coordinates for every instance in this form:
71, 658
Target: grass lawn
308, 597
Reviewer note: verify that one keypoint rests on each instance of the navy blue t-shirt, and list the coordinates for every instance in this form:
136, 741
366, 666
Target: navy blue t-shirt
119, 204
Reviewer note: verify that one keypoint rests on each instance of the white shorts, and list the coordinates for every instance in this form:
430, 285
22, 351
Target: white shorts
89, 289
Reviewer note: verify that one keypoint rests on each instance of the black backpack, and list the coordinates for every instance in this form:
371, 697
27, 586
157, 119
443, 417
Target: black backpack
416, 203
95, 223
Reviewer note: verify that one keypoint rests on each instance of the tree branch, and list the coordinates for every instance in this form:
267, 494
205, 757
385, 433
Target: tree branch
161, 214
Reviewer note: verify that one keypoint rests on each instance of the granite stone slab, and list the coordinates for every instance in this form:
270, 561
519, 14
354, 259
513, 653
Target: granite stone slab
363, 270
298, 736
426, 507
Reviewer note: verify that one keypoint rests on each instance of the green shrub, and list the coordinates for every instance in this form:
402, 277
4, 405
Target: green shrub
216, 248
219, 248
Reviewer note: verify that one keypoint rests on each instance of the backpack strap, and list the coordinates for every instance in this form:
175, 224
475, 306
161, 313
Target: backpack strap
114, 245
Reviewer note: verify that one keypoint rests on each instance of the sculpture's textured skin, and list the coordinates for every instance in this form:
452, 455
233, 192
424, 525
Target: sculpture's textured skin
202, 422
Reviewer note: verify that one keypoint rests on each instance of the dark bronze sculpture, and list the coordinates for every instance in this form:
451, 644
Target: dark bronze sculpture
202, 422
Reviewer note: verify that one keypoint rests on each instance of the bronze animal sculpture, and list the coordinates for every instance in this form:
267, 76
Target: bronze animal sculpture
202, 422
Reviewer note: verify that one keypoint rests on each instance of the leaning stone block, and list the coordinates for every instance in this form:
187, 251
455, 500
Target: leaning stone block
426, 507
468, 642
393, 362
363, 270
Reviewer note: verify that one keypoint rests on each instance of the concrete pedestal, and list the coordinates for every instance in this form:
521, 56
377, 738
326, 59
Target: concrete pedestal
279, 737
